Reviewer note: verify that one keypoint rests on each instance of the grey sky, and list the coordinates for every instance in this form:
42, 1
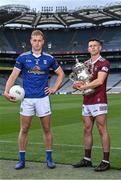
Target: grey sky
71, 4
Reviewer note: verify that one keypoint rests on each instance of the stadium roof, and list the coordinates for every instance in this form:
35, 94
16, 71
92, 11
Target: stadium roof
24, 16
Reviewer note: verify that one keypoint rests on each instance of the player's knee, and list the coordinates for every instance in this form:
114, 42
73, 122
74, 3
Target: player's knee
87, 130
24, 130
47, 130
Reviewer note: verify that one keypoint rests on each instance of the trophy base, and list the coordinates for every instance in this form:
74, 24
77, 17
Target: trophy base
88, 92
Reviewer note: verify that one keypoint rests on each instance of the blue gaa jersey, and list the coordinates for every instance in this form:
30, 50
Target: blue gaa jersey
35, 71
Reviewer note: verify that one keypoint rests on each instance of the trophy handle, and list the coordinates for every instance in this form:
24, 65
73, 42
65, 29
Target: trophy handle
72, 77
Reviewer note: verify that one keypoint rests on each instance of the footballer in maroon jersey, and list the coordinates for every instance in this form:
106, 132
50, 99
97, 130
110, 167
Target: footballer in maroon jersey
99, 96
95, 106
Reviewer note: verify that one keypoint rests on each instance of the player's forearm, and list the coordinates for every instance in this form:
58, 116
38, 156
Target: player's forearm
10, 83
12, 78
59, 81
95, 83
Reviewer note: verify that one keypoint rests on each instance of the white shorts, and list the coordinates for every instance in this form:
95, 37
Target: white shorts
94, 110
35, 106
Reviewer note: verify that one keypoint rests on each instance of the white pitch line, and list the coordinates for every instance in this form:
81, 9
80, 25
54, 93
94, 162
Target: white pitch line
68, 145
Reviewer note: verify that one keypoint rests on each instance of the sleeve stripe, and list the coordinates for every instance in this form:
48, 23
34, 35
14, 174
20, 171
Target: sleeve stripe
17, 68
57, 68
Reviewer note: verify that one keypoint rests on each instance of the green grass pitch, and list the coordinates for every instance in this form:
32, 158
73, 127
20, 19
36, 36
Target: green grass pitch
67, 130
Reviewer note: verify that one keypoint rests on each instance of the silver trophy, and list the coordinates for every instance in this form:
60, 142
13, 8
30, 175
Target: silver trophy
81, 73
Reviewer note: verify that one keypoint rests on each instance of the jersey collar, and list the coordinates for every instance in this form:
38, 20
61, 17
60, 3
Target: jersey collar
37, 56
93, 62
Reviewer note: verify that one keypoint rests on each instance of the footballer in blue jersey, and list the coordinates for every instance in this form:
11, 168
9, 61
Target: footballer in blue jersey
35, 72
34, 66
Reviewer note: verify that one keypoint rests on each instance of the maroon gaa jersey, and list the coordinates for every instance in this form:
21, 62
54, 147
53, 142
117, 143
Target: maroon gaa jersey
99, 96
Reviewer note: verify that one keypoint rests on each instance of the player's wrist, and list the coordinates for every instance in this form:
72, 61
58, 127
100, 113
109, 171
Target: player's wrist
85, 86
6, 93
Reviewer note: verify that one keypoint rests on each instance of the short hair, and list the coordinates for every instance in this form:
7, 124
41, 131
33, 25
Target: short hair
97, 40
37, 33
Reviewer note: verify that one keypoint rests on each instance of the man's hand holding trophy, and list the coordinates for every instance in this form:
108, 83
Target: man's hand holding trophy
81, 77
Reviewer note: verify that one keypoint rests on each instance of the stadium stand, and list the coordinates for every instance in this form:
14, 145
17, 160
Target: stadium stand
65, 41
61, 40
4, 43
3, 79
114, 83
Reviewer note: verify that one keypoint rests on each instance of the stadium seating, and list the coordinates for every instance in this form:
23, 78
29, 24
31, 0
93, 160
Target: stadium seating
62, 40
3, 79
113, 85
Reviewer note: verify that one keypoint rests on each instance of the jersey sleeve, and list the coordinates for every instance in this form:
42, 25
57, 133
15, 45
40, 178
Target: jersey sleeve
105, 66
19, 63
54, 64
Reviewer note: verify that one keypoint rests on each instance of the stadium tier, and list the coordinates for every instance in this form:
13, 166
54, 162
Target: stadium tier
65, 42
113, 86
62, 40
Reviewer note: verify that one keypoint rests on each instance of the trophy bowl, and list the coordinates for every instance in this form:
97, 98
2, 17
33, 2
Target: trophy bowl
80, 73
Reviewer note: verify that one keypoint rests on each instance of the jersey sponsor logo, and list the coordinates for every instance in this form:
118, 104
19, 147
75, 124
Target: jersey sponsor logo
36, 70
105, 69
